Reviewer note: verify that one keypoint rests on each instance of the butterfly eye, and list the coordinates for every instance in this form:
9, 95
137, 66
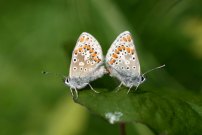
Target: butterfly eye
66, 81
142, 78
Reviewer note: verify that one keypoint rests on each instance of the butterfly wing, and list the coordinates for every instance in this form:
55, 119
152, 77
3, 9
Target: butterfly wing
86, 57
122, 57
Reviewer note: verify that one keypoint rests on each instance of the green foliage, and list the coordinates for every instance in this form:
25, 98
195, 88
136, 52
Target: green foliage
38, 35
162, 113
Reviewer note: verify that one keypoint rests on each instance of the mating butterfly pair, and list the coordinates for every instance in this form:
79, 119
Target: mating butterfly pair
87, 62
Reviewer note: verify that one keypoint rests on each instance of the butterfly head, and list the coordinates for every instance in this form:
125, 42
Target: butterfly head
136, 81
75, 83
142, 79
67, 81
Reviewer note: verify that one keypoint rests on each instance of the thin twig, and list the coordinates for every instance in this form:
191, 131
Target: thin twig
122, 128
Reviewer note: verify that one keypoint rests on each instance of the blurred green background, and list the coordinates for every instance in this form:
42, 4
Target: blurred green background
38, 35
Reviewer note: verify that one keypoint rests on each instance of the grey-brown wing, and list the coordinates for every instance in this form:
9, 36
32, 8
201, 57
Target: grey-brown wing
86, 57
122, 56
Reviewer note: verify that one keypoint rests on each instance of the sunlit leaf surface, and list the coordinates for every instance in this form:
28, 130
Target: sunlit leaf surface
162, 113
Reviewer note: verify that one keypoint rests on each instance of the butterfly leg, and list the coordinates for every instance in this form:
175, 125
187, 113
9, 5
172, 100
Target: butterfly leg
118, 88
137, 87
132, 86
77, 95
73, 92
92, 88
129, 89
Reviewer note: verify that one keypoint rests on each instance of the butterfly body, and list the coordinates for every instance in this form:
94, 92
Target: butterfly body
127, 80
81, 82
86, 64
122, 61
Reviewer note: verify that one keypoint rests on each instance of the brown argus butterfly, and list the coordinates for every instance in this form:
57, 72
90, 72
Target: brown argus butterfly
86, 64
122, 61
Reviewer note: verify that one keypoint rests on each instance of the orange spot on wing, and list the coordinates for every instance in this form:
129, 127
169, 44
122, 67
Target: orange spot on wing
132, 50
99, 60
75, 52
129, 38
111, 61
88, 47
91, 50
87, 38
94, 54
124, 39
123, 47
117, 51
128, 49
119, 48
85, 46
81, 39
80, 49
115, 56
96, 59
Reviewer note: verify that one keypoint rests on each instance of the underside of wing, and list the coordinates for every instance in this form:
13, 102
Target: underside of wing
86, 57
122, 56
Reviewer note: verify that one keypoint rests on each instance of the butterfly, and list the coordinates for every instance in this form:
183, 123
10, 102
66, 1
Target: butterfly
86, 63
122, 61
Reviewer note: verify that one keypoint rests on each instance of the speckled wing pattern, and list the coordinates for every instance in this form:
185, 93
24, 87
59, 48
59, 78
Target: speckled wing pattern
122, 56
86, 57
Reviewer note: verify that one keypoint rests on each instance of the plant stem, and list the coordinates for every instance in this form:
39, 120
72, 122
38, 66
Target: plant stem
122, 128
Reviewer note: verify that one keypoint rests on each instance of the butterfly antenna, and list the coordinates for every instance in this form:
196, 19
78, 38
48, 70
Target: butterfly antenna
154, 69
56, 74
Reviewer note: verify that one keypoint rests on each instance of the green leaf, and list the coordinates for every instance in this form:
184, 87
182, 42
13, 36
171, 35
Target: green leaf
160, 111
